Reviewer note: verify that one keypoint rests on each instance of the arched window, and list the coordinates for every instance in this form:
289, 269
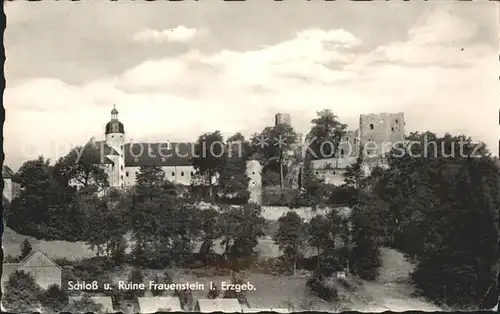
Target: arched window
371, 126
182, 173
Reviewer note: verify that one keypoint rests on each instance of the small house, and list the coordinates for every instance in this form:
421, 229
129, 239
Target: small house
45, 271
218, 305
159, 304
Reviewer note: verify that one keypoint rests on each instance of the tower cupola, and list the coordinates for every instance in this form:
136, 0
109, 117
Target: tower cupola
114, 126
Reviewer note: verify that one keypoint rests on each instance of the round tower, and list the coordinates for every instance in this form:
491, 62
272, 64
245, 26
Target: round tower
115, 138
254, 173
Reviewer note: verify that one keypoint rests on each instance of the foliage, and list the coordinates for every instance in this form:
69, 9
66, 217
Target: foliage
54, 298
325, 135
317, 285
290, 237
442, 210
135, 277
277, 196
323, 232
270, 178
240, 228
83, 305
185, 298
233, 181
21, 293
210, 156
272, 145
82, 166
26, 249
149, 181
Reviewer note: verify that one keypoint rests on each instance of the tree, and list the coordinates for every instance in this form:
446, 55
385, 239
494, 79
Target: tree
104, 229
290, 237
26, 248
149, 181
213, 292
323, 231
185, 298
273, 145
247, 226
210, 156
210, 231
436, 195
54, 298
30, 212
233, 181
154, 291
325, 135
365, 259
81, 166
83, 305
135, 277
21, 293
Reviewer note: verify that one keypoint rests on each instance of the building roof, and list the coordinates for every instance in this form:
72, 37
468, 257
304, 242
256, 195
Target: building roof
159, 304
7, 173
97, 151
219, 305
158, 154
257, 310
104, 301
9, 268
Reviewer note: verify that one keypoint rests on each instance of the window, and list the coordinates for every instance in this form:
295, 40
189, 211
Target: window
182, 173
121, 167
112, 136
392, 129
122, 184
354, 141
253, 172
126, 174
371, 126
121, 137
369, 140
342, 152
396, 121
121, 147
334, 172
192, 173
121, 177
173, 174
317, 172
346, 138
253, 183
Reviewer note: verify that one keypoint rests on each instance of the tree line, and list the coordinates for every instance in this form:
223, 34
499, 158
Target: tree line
441, 211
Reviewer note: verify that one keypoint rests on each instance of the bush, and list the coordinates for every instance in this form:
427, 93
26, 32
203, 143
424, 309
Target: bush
318, 286
277, 196
21, 293
54, 298
11, 259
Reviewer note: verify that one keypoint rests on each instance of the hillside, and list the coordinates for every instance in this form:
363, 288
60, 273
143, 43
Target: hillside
55, 249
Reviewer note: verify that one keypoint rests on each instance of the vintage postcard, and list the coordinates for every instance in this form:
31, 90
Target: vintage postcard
215, 156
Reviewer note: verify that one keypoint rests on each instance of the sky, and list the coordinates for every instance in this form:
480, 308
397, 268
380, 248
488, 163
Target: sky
176, 70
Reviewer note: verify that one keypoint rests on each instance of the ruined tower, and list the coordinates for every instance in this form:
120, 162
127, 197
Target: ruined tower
379, 132
254, 173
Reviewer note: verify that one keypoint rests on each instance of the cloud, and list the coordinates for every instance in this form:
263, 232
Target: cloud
439, 87
180, 34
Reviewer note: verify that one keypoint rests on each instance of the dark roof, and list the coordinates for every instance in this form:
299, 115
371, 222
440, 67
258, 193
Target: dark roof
114, 126
7, 173
96, 151
158, 154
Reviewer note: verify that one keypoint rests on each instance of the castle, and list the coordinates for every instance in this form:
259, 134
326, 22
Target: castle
122, 161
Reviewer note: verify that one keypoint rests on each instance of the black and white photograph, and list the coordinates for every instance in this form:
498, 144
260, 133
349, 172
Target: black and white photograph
251, 156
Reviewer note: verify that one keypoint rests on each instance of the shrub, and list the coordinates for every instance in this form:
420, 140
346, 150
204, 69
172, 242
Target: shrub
21, 293
11, 259
321, 289
277, 196
54, 298
26, 248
